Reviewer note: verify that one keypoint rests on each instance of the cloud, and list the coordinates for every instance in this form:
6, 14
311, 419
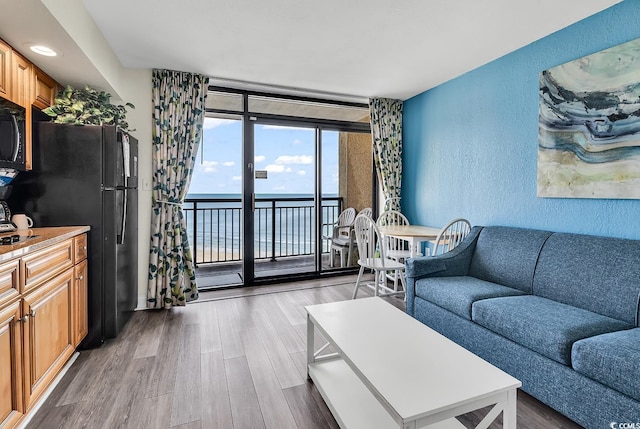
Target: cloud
259, 158
236, 178
294, 159
217, 122
297, 141
208, 166
229, 163
279, 188
302, 172
273, 168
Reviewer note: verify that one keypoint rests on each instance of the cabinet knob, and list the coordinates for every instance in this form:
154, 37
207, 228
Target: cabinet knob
81, 277
32, 314
24, 319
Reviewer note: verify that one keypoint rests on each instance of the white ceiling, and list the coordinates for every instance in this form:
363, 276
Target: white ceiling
347, 49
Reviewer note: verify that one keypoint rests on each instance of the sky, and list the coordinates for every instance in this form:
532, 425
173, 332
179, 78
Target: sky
287, 155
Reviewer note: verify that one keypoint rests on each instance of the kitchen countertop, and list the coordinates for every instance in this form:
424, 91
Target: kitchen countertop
37, 238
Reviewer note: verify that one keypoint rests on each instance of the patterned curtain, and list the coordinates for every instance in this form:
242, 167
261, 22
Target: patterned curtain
178, 115
386, 131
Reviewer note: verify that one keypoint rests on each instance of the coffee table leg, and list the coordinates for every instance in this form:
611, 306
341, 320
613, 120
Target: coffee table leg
510, 410
310, 344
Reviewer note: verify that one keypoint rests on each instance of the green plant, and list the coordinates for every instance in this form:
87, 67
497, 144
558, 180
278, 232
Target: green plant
87, 106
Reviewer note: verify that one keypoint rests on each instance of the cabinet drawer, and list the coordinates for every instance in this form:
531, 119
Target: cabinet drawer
46, 263
80, 247
9, 281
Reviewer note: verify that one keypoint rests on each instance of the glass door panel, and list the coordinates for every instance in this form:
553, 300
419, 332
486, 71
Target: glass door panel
284, 209
213, 207
347, 180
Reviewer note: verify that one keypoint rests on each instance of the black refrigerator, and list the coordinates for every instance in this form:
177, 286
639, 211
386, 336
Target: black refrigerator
88, 175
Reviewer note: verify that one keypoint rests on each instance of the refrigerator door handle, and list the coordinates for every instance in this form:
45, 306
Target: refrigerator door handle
123, 224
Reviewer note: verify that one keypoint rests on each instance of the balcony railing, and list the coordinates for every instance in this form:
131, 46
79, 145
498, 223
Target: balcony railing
284, 226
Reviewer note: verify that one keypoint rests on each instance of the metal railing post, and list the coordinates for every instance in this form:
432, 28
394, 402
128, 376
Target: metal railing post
273, 230
195, 233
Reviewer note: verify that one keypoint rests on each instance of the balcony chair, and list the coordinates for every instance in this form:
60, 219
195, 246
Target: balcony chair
450, 236
372, 256
341, 239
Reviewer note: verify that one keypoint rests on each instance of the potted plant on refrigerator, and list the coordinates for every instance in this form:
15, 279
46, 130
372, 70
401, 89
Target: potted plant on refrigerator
87, 106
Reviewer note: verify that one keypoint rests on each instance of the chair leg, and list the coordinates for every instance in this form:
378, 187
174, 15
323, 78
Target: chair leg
376, 281
355, 291
332, 255
342, 258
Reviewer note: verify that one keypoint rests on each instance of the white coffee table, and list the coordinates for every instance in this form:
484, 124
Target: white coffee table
392, 371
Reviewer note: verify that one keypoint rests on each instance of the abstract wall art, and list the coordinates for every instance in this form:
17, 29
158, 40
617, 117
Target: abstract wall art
589, 126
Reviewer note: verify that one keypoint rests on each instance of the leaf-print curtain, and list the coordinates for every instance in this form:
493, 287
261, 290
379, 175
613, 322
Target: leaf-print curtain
386, 132
178, 115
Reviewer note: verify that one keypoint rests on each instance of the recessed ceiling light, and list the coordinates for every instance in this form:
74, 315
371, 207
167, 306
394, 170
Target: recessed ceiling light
43, 50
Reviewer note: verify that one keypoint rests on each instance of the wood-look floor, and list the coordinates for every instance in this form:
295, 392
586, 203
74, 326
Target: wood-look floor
235, 361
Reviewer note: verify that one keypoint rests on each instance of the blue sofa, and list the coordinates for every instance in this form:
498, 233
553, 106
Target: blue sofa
558, 311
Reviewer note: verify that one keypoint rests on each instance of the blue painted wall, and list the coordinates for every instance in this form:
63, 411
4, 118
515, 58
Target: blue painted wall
470, 145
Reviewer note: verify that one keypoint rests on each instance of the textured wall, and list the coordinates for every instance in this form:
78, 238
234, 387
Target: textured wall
470, 145
355, 169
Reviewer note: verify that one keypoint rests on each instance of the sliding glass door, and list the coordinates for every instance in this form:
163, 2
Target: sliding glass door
284, 203
272, 175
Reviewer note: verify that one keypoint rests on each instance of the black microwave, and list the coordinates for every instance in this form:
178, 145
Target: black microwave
12, 135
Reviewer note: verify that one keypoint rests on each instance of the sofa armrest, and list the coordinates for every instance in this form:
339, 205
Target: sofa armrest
453, 263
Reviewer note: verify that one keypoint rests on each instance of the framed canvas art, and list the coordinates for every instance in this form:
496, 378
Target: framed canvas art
589, 126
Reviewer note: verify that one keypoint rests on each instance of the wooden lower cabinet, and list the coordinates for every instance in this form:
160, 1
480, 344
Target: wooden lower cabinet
80, 326
48, 333
11, 374
41, 326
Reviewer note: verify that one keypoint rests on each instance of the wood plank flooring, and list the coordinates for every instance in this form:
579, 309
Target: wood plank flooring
233, 360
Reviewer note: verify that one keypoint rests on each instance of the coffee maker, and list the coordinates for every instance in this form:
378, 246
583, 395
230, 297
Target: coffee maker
6, 176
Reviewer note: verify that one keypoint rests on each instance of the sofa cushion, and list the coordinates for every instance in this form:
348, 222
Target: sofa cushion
547, 327
612, 359
456, 294
507, 256
599, 274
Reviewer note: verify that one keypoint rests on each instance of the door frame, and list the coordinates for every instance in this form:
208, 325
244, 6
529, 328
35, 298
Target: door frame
249, 119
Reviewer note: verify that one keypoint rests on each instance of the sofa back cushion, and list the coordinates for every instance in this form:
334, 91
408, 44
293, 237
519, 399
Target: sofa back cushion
598, 274
507, 256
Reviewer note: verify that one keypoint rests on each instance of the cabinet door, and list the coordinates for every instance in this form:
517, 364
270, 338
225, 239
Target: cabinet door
48, 337
80, 303
5, 69
21, 80
44, 89
11, 401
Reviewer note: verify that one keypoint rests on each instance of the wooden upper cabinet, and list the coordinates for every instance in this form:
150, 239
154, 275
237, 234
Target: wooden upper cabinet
44, 89
21, 80
5, 69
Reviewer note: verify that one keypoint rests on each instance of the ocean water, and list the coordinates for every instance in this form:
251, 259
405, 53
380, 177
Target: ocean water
282, 228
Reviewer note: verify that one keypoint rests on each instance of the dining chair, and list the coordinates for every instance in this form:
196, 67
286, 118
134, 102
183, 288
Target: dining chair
372, 255
341, 238
396, 248
450, 236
